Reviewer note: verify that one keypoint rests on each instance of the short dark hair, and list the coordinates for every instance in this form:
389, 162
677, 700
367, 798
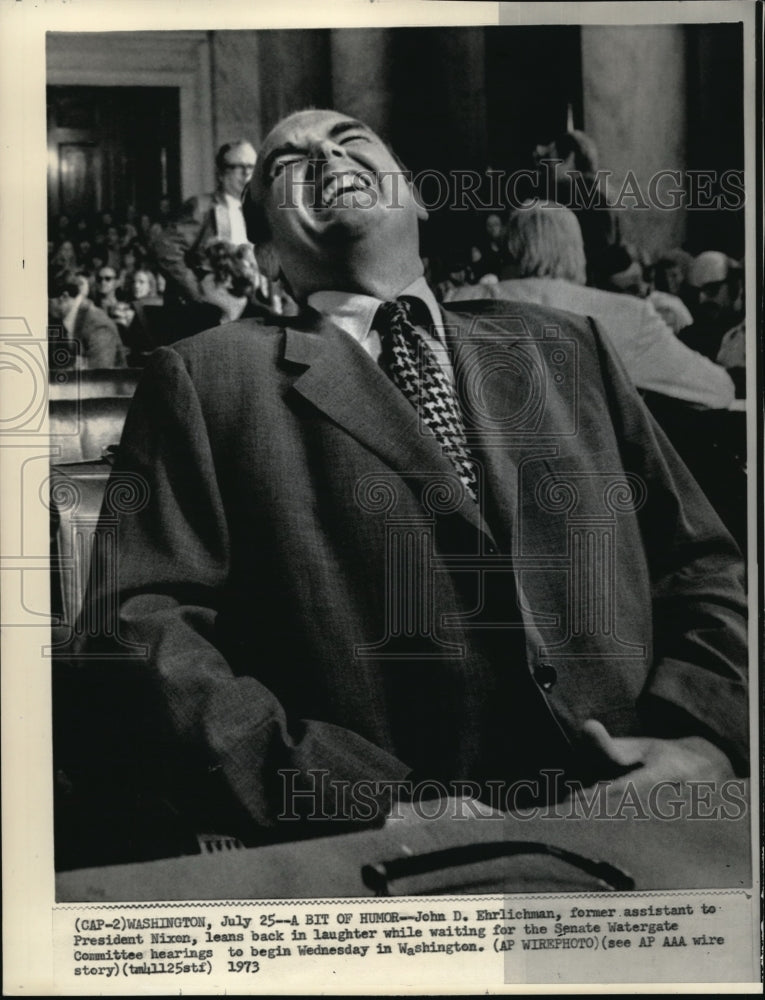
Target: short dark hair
220, 156
65, 281
256, 224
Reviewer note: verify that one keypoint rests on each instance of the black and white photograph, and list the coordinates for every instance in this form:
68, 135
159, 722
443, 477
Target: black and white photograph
381, 513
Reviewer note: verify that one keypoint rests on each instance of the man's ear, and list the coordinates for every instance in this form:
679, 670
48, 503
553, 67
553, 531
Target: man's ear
268, 260
422, 212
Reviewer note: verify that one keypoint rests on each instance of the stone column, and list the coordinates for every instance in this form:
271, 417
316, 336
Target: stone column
361, 69
634, 109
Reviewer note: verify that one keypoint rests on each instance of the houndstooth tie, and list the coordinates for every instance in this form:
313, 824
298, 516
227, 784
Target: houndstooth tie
411, 365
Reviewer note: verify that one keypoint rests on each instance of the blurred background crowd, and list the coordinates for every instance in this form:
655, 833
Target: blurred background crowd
148, 237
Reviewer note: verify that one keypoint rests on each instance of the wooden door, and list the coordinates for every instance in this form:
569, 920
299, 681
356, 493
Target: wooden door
112, 147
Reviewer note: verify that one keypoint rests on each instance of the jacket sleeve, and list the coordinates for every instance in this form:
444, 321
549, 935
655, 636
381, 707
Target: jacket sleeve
103, 347
228, 738
698, 683
664, 364
171, 247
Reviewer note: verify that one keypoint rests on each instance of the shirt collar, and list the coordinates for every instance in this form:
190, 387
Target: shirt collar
354, 313
232, 203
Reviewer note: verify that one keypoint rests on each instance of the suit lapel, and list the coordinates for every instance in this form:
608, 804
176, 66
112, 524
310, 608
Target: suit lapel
344, 383
497, 449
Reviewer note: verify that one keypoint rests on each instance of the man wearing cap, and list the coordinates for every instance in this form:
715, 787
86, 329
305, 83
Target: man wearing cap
352, 567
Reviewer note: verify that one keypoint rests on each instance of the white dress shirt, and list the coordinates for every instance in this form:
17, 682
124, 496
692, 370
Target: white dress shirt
354, 313
236, 216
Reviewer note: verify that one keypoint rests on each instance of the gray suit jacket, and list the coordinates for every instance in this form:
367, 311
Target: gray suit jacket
265, 571
97, 337
178, 249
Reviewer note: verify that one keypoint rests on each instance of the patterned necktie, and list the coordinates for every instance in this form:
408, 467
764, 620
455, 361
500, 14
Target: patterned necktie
411, 365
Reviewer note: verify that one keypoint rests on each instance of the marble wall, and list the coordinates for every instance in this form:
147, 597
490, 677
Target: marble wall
362, 87
635, 110
235, 61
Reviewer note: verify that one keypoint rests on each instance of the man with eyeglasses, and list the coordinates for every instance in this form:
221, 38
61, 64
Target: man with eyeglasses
179, 249
89, 337
717, 284
105, 291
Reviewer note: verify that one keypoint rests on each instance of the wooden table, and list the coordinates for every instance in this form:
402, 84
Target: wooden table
660, 854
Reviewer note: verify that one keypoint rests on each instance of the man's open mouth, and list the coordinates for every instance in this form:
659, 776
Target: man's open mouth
337, 185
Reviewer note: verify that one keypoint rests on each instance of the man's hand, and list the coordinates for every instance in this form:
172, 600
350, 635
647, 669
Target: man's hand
644, 761
231, 306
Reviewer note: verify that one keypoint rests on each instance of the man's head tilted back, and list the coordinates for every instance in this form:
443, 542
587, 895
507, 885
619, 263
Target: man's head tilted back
334, 209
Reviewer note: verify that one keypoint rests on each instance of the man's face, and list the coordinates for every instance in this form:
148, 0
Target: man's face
714, 299
716, 295
60, 306
238, 165
141, 285
494, 227
106, 281
330, 186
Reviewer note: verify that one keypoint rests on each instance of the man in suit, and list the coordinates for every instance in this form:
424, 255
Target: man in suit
179, 248
330, 597
94, 339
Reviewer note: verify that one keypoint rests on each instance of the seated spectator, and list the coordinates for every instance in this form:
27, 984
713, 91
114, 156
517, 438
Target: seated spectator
105, 291
130, 261
95, 263
546, 247
457, 284
622, 272
490, 250
64, 258
84, 249
62, 229
127, 234
91, 335
112, 248
718, 285
143, 287
144, 227
670, 272
165, 212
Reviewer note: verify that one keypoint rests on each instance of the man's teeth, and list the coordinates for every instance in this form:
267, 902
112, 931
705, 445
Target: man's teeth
344, 184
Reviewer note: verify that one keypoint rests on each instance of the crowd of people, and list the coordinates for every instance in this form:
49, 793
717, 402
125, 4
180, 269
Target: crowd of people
197, 268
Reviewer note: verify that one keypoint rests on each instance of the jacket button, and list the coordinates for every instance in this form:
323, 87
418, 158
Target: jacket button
545, 675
